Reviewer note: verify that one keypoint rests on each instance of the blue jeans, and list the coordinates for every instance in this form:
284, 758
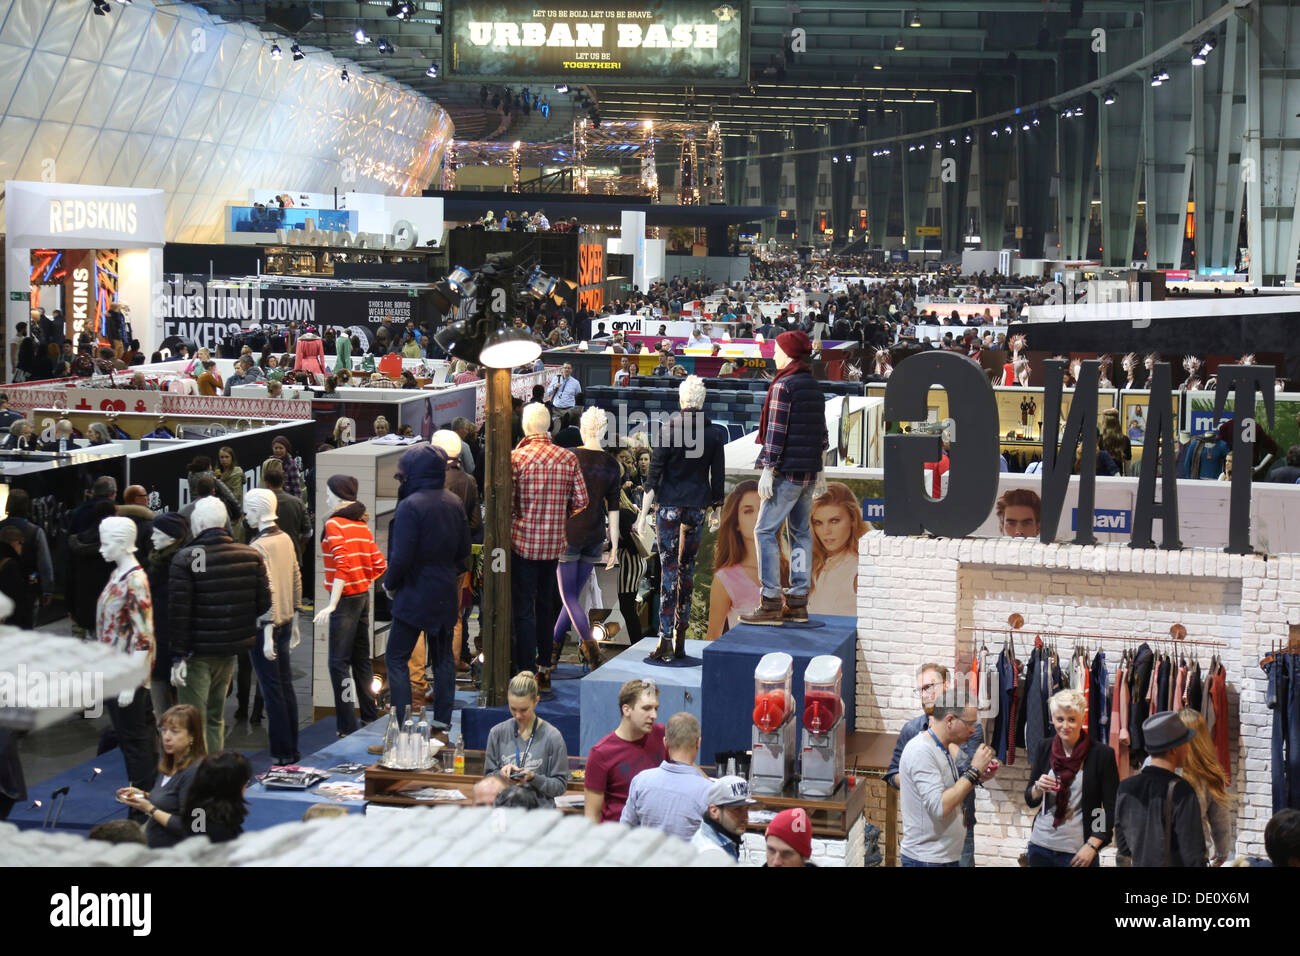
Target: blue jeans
793, 502
401, 642
1284, 700
1041, 857
968, 848
281, 703
908, 861
534, 607
350, 651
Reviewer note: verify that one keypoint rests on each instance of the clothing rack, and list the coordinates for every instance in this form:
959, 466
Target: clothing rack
1177, 636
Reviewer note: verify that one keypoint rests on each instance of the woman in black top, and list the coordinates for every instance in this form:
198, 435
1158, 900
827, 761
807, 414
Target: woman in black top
215, 804
181, 729
685, 477
586, 531
1080, 778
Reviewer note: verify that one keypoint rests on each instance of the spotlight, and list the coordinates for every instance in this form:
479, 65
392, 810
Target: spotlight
994, 133
561, 87
915, 21
1009, 129
912, 148
1035, 121
540, 285
95, 772
938, 144
1159, 77
1200, 56
877, 66
376, 685
898, 45
1024, 127
275, 51
1108, 98
101, 7
848, 157
952, 141
835, 159
297, 53
383, 46
969, 138
508, 347
343, 76
360, 38
432, 71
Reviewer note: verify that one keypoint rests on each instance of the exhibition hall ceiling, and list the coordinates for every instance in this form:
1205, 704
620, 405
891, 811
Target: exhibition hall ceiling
164, 96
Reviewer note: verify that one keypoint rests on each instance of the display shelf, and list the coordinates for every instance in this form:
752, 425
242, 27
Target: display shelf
831, 818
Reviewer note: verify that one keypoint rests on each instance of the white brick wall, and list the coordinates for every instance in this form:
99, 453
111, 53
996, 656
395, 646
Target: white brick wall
916, 594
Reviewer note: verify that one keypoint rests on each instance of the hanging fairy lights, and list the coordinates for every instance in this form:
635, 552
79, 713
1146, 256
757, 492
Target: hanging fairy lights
449, 167
514, 167
688, 191
580, 152
716, 165
649, 174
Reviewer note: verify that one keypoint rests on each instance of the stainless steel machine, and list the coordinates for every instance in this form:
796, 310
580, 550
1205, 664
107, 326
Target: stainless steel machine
772, 766
822, 761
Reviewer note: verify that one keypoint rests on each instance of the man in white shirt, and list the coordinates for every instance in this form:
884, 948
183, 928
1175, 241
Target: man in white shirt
931, 789
564, 389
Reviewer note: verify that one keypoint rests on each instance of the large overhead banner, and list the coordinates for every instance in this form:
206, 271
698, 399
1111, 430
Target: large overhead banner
646, 41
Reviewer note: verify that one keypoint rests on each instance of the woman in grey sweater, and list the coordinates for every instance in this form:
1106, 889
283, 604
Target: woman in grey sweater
527, 750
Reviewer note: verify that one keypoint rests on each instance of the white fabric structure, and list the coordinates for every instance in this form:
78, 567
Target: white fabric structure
168, 98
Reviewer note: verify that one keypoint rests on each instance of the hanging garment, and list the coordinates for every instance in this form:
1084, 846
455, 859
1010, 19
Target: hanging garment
1219, 695
1193, 692
1180, 686
1140, 679
1006, 693
1284, 700
1099, 728
1119, 719
988, 683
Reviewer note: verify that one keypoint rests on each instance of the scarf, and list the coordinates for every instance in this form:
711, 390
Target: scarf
1065, 769
798, 365
351, 510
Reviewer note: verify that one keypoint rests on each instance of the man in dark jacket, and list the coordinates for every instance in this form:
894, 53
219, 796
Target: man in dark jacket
217, 591
792, 431
13, 583
83, 516
428, 550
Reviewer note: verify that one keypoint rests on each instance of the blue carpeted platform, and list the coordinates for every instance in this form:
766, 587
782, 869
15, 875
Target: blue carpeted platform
729, 662
561, 707
679, 688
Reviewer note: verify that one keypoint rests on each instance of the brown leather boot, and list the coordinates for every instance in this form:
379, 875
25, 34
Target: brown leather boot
795, 610
768, 613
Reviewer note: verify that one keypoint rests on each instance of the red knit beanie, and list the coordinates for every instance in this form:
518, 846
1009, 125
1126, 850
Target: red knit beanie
795, 344
793, 827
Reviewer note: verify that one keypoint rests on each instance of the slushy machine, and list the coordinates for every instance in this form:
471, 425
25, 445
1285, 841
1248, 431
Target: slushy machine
772, 766
822, 761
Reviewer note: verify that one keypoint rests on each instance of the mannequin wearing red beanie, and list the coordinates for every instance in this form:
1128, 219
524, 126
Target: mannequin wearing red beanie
789, 839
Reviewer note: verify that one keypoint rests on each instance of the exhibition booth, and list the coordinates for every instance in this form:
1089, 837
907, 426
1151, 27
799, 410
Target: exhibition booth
80, 249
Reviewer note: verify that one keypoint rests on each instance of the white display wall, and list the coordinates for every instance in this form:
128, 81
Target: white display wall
1246, 602
166, 97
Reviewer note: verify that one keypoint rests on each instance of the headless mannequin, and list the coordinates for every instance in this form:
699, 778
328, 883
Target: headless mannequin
572, 575
118, 549
258, 515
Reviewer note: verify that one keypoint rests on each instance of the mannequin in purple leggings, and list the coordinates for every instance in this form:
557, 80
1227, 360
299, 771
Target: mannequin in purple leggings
587, 533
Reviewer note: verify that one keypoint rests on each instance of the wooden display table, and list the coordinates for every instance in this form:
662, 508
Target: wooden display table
831, 817
382, 784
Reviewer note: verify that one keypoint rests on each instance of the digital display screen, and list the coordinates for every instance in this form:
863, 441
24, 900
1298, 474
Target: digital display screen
648, 41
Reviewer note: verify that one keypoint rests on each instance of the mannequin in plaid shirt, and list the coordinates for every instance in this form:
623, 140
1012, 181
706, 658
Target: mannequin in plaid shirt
548, 488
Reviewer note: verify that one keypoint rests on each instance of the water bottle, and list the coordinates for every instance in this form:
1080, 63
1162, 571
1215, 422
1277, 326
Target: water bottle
422, 744
407, 748
390, 739
458, 761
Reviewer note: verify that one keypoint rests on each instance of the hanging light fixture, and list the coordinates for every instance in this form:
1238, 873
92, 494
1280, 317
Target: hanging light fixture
275, 51
297, 53
343, 76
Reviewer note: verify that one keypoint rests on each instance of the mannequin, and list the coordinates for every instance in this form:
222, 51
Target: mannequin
548, 489
345, 432
309, 355
343, 353
270, 656
793, 443
124, 620
686, 478
587, 531
352, 563
1129, 364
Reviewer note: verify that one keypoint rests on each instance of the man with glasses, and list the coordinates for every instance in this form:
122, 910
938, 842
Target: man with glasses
636, 744
933, 788
933, 682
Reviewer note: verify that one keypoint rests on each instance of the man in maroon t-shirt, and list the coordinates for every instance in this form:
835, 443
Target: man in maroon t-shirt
636, 744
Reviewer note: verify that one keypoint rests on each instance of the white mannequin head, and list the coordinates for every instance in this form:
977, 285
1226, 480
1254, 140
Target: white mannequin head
208, 513
536, 419
332, 501
160, 540
691, 393
260, 507
593, 425
116, 539
448, 441
782, 360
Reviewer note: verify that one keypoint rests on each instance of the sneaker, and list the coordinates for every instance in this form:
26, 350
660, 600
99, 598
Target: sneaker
544, 682
768, 613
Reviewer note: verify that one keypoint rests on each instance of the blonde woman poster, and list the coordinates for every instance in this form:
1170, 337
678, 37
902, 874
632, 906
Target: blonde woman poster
837, 524
735, 560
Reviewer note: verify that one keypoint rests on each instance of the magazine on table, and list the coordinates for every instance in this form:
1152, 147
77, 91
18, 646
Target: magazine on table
292, 778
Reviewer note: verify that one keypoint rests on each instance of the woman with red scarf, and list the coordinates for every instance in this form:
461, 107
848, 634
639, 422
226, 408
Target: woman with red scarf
1074, 779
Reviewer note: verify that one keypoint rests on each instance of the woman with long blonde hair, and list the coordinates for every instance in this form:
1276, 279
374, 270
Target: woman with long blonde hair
1202, 770
837, 524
